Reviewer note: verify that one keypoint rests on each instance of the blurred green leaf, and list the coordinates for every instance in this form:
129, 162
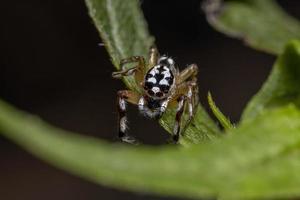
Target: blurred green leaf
262, 24
260, 160
124, 32
282, 86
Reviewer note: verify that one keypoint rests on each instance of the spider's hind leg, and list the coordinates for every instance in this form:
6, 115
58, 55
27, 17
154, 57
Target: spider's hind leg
187, 85
189, 73
180, 108
192, 98
153, 57
125, 96
187, 98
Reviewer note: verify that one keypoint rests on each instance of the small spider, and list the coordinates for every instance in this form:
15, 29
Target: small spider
162, 86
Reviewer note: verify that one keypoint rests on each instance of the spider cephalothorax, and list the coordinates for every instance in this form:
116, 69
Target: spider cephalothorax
163, 86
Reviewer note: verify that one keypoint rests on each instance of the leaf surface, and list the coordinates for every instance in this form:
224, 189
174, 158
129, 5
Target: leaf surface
262, 24
282, 86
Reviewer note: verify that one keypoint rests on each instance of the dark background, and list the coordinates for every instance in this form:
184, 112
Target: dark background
51, 65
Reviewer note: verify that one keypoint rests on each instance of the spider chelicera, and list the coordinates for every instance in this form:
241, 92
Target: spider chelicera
162, 86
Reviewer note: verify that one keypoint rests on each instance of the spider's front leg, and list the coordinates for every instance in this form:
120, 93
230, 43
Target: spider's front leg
153, 56
138, 70
125, 96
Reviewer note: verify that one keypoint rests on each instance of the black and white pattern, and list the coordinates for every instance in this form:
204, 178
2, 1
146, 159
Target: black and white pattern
122, 115
151, 108
160, 78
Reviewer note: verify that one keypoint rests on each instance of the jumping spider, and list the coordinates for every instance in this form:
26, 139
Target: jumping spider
162, 86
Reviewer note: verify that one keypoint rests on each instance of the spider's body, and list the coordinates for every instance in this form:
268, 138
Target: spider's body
158, 84
162, 85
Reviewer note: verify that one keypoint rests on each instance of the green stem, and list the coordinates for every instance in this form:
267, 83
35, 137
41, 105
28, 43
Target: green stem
225, 122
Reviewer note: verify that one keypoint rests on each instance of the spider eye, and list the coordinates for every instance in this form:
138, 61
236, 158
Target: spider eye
165, 88
159, 94
150, 92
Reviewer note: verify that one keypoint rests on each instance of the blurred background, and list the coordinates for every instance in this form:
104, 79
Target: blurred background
51, 65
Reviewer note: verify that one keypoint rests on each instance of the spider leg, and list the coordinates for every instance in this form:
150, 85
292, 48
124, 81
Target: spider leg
138, 71
153, 57
187, 84
125, 96
192, 96
188, 73
180, 108
187, 98
190, 90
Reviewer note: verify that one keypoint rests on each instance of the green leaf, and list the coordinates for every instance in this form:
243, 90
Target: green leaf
282, 86
225, 122
124, 33
262, 24
259, 160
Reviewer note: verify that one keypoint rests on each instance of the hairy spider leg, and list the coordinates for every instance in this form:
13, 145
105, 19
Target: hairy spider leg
188, 90
141, 68
195, 96
188, 73
138, 71
125, 96
153, 57
180, 108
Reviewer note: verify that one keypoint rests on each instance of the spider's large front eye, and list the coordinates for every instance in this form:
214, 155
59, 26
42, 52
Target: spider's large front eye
159, 94
165, 88
150, 92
